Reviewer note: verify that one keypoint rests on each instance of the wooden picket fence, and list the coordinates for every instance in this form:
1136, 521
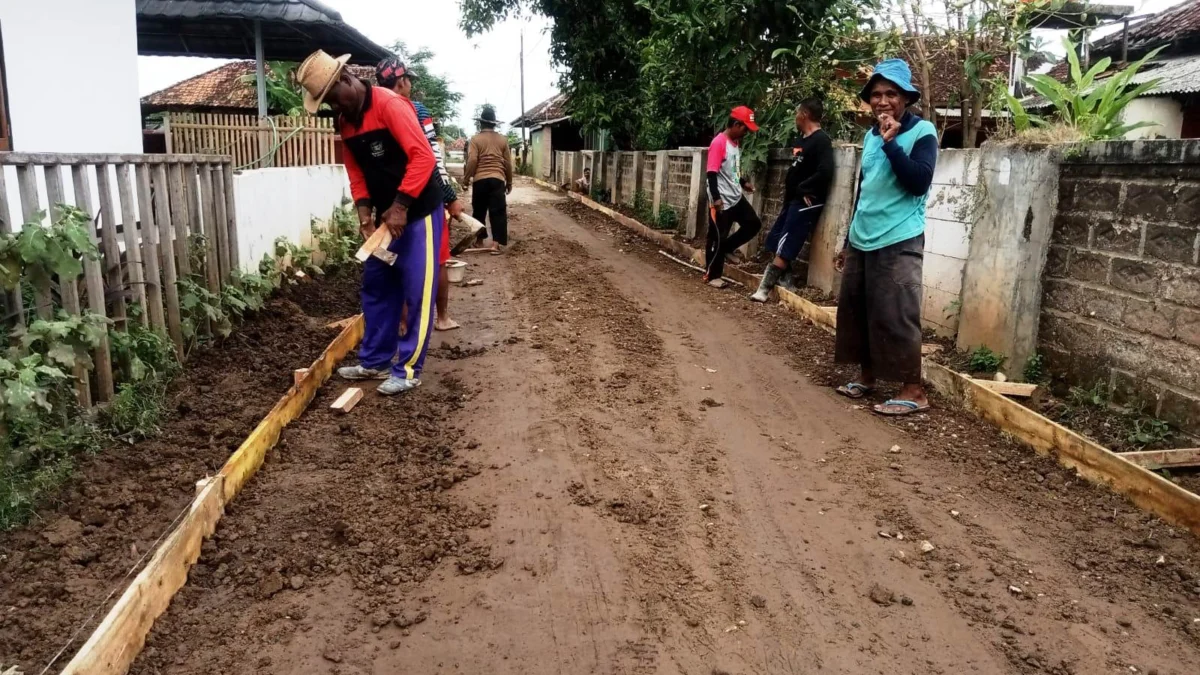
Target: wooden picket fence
298, 141
146, 209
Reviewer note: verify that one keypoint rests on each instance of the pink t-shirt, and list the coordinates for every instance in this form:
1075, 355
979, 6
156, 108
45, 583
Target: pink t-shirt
725, 158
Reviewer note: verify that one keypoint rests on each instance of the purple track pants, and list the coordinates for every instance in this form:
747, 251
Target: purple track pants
386, 288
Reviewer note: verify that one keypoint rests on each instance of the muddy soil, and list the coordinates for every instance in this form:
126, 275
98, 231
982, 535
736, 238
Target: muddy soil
56, 574
613, 468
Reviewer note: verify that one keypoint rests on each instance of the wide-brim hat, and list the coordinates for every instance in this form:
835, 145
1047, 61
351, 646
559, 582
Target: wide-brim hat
317, 75
898, 73
488, 116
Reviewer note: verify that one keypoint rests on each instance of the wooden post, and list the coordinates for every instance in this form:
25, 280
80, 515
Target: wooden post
170, 293
697, 202
231, 217
93, 276
167, 133
191, 182
27, 185
133, 252
179, 218
108, 239
212, 267
221, 222
660, 179
12, 299
148, 250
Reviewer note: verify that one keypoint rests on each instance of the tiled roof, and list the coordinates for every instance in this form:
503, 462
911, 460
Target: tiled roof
223, 87
553, 108
1177, 24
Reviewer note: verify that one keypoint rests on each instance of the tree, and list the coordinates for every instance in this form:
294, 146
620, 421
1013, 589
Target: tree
663, 73
284, 95
432, 89
452, 132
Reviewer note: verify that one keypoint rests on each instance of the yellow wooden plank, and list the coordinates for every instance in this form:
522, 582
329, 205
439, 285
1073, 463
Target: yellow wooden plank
1019, 389
1164, 459
349, 398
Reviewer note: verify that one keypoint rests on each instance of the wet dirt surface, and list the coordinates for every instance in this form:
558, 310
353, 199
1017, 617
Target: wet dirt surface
58, 570
612, 468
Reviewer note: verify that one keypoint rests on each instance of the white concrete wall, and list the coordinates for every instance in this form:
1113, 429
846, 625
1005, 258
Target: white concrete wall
273, 203
948, 217
1163, 110
72, 76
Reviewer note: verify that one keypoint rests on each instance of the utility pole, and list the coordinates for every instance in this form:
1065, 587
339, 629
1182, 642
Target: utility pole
524, 123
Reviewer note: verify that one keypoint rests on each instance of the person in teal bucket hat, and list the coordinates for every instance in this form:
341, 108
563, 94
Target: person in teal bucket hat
879, 310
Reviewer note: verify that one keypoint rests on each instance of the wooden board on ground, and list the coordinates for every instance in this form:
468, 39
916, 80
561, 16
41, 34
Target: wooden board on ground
1148, 490
1164, 459
119, 638
349, 398
342, 323
1018, 389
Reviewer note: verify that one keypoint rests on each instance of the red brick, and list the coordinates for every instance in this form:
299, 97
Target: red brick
1134, 276
1087, 266
1169, 243
1155, 318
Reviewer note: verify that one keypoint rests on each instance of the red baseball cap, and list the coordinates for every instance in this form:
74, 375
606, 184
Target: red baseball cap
745, 116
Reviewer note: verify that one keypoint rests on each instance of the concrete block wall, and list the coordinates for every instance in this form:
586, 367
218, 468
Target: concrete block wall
627, 177
951, 209
1122, 278
679, 179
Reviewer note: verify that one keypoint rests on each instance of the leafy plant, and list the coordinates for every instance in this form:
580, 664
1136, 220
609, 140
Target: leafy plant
643, 207
601, 194
339, 238
197, 304
984, 360
1148, 431
667, 218
1089, 104
138, 408
292, 257
1035, 369
143, 353
246, 293
1095, 396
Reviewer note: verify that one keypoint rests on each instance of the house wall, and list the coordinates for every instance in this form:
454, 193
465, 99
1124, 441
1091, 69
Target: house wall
273, 203
91, 43
1167, 112
1122, 280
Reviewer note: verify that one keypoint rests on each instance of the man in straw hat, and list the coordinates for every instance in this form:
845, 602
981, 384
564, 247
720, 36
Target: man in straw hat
879, 312
394, 182
489, 165
391, 73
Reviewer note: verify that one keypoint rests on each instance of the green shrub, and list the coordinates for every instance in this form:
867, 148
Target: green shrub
667, 218
984, 360
1148, 431
643, 207
1035, 369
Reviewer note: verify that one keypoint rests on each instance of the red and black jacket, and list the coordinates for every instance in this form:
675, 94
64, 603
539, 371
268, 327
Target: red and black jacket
388, 157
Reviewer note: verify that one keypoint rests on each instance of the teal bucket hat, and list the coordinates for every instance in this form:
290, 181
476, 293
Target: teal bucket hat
898, 73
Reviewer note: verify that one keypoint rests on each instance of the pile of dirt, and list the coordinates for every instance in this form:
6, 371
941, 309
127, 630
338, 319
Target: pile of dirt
355, 507
58, 570
327, 296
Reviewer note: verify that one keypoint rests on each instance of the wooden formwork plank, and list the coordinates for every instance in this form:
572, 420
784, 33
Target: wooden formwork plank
1019, 389
93, 279
1092, 461
1164, 459
119, 638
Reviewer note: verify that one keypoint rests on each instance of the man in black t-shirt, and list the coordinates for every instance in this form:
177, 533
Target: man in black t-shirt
806, 187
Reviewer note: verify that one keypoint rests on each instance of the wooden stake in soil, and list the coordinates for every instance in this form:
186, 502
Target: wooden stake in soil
349, 398
299, 374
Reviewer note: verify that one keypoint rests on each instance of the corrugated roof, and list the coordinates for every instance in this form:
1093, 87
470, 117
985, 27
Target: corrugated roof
552, 109
301, 11
1178, 76
223, 87
1177, 24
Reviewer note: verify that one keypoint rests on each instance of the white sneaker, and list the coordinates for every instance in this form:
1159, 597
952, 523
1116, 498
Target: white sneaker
397, 385
361, 373
760, 295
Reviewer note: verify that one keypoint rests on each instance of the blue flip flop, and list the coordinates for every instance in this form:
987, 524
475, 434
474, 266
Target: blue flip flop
910, 407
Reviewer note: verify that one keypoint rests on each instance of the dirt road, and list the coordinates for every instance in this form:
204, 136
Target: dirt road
614, 469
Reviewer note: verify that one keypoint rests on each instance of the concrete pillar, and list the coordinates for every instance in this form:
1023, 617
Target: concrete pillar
660, 179
830, 232
612, 182
637, 174
694, 218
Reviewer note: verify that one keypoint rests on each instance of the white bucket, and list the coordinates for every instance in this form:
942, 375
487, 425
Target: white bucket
455, 271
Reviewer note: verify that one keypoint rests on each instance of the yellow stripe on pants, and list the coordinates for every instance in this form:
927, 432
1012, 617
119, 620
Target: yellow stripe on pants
426, 300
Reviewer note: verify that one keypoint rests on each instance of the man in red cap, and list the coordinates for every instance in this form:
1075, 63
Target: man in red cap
727, 196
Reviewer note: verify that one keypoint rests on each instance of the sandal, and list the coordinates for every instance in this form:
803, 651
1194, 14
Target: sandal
907, 407
854, 390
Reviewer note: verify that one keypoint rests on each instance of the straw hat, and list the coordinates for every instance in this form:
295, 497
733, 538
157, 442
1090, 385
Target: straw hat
317, 75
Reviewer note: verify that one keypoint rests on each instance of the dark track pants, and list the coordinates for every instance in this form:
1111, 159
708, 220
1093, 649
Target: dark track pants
720, 242
488, 200
386, 289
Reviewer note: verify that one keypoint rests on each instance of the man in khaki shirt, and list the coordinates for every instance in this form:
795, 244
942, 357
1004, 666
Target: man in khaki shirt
489, 167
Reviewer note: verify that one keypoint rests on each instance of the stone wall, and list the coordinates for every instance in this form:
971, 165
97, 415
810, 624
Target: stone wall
627, 178
1122, 281
679, 181
649, 164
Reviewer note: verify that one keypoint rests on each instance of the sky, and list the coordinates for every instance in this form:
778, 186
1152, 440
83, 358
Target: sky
485, 68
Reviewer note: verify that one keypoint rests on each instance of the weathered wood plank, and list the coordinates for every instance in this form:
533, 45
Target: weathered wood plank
212, 269
108, 240
235, 259
179, 219
11, 306
191, 182
221, 222
43, 298
149, 247
1019, 389
1164, 459
163, 203
134, 272
68, 287
93, 276
68, 158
